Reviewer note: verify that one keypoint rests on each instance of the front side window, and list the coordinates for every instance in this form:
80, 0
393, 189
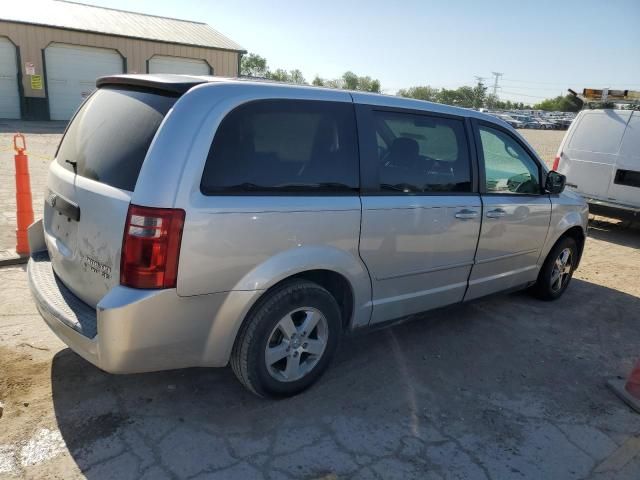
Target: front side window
508, 167
284, 146
421, 154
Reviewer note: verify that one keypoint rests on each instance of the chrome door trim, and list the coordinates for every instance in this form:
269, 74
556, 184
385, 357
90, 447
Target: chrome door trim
508, 255
407, 296
501, 275
428, 270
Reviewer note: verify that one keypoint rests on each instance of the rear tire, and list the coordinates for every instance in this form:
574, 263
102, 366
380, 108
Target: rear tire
557, 270
287, 340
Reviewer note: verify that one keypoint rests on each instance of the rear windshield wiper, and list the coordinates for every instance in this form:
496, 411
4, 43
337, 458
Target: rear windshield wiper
74, 165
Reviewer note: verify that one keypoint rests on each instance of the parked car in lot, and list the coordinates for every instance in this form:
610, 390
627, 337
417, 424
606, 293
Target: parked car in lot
509, 119
527, 122
545, 124
600, 156
198, 221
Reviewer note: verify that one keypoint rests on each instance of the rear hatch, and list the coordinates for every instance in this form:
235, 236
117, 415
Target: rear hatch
91, 182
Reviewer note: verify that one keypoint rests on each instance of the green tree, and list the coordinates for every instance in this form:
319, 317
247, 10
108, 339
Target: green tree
368, 84
279, 75
479, 95
295, 76
448, 97
318, 81
253, 65
567, 103
350, 81
425, 92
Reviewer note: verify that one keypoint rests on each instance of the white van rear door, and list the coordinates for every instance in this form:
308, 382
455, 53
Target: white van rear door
625, 187
589, 159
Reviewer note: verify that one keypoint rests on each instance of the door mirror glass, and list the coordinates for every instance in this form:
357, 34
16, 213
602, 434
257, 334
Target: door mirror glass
555, 182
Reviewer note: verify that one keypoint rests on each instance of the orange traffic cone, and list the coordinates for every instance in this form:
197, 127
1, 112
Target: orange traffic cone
24, 204
628, 391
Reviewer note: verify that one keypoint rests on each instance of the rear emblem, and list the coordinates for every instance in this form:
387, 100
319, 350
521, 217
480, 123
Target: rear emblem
52, 200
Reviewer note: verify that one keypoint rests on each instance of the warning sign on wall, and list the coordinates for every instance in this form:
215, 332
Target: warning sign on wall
36, 82
29, 68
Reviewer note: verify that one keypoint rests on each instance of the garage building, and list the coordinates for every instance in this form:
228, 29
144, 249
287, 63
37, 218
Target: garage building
52, 52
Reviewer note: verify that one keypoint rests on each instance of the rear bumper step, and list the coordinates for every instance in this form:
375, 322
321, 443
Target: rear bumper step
55, 300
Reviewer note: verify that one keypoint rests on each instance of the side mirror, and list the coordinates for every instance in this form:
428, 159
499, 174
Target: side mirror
555, 182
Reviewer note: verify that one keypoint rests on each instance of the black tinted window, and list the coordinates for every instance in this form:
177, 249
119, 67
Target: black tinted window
109, 137
284, 145
419, 153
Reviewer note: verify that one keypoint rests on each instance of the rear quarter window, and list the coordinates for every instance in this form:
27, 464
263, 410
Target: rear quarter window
108, 138
284, 146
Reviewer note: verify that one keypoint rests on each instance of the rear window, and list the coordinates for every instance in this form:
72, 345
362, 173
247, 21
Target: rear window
284, 146
599, 132
111, 133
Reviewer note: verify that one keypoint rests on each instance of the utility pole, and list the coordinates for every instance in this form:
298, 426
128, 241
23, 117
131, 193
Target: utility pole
479, 79
495, 83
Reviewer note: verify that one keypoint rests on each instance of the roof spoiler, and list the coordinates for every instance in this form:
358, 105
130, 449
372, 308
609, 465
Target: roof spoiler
169, 83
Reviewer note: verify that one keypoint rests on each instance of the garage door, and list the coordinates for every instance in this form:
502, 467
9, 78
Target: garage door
71, 75
187, 66
9, 98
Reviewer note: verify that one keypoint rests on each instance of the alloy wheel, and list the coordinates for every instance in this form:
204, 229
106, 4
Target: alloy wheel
296, 344
561, 271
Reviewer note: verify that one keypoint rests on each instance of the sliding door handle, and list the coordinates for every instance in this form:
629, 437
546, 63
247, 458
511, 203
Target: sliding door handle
497, 213
466, 214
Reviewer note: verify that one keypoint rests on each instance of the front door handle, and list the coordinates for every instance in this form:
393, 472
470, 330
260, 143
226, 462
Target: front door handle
466, 214
497, 213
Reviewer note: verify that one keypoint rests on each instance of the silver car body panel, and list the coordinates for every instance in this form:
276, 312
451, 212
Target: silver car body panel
419, 254
85, 253
509, 246
399, 254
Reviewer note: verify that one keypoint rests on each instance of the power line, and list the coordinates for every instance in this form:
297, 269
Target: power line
527, 88
522, 94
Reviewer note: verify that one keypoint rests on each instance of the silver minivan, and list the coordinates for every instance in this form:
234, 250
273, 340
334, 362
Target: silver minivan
199, 221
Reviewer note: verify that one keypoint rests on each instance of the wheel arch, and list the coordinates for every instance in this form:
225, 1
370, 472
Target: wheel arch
336, 270
579, 236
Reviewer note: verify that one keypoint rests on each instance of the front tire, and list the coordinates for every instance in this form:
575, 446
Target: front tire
557, 270
288, 340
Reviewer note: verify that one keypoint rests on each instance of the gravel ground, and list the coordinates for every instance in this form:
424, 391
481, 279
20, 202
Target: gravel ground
505, 387
546, 142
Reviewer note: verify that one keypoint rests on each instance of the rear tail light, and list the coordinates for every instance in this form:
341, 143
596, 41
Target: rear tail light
556, 163
151, 247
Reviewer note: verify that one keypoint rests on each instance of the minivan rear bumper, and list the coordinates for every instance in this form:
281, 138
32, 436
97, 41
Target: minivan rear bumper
133, 331
72, 320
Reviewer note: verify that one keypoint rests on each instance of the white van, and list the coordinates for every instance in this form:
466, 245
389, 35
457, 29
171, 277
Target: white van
600, 156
